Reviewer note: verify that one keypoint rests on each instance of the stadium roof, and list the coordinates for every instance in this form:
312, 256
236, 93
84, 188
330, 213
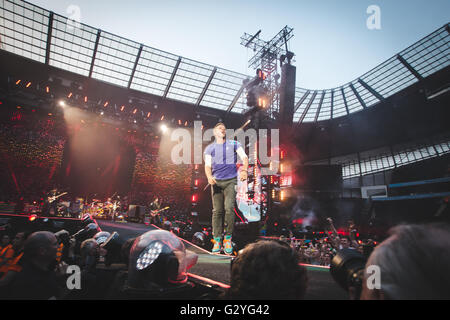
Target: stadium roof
41, 35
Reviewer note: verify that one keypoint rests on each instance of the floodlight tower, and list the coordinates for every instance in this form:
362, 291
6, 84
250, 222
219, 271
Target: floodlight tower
266, 58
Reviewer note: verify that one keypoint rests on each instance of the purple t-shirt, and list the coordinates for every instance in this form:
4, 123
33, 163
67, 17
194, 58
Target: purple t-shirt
223, 159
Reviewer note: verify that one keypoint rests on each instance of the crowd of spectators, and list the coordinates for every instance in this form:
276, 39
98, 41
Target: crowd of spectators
321, 249
34, 265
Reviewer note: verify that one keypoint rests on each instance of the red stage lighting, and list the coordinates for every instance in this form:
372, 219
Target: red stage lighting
261, 75
286, 181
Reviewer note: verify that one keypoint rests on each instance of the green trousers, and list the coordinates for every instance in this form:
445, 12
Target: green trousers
223, 195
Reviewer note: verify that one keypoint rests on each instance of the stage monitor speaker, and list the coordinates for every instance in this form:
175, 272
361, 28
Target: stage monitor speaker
135, 211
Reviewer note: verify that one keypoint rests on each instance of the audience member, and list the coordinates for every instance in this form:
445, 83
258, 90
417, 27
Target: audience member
414, 263
6, 250
12, 262
36, 280
6, 241
267, 270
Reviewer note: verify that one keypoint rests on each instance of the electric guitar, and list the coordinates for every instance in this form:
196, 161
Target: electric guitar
53, 198
155, 212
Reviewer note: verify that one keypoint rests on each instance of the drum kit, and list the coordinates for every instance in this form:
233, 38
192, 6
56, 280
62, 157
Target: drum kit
104, 210
96, 208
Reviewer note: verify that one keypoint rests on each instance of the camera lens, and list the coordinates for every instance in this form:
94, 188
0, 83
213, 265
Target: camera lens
347, 268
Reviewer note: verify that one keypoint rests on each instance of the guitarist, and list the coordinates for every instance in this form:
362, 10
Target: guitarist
50, 203
155, 217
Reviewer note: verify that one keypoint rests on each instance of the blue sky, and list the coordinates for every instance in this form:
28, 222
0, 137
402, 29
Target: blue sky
331, 40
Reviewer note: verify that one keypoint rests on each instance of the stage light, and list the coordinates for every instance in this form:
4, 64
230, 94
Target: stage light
70, 95
164, 128
101, 237
85, 99
32, 218
106, 104
194, 198
148, 115
149, 255
286, 181
134, 111
122, 108
162, 118
196, 182
261, 103
179, 122
61, 103
102, 113
18, 81
261, 75
28, 84
47, 89
158, 258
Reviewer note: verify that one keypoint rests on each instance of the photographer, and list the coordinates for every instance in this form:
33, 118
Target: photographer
94, 284
37, 279
414, 263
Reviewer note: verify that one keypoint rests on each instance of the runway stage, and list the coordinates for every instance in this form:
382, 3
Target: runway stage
321, 285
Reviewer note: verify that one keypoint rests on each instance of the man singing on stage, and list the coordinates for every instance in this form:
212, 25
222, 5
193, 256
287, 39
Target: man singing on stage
221, 171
